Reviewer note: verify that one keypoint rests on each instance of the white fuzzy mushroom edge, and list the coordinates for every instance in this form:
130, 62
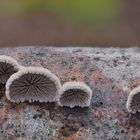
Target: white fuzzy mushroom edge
11, 61
130, 98
75, 85
34, 70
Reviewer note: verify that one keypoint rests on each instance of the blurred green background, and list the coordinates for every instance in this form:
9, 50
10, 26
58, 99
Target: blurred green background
70, 23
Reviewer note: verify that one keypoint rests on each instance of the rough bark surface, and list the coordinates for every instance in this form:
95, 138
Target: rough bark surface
110, 72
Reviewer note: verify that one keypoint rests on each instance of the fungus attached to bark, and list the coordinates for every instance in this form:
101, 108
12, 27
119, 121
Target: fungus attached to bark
8, 66
33, 84
133, 102
75, 94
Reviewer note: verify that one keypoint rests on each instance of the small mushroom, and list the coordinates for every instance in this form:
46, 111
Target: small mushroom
133, 101
8, 66
75, 94
33, 84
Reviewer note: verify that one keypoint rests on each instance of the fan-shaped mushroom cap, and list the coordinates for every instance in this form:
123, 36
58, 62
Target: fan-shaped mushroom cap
8, 66
75, 94
33, 84
133, 101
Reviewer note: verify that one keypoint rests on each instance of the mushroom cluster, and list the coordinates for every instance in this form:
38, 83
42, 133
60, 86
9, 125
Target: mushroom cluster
39, 84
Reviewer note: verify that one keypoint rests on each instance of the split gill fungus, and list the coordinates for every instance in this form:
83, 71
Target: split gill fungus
8, 66
33, 84
75, 94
